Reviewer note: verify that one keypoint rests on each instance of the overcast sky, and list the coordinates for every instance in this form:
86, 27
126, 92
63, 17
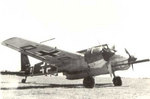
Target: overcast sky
76, 25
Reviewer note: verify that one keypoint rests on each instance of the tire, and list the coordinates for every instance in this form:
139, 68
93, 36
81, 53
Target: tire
23, 80
89, 82
117, 81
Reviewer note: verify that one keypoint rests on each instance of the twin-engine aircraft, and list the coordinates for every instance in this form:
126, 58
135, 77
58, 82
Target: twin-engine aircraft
84, 64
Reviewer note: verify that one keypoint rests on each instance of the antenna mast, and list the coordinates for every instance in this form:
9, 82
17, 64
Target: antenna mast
47, 40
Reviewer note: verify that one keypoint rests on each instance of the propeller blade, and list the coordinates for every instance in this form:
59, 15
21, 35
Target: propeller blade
127, 52
132, 67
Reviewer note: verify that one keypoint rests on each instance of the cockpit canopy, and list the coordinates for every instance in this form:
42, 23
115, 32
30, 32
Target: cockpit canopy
99, 48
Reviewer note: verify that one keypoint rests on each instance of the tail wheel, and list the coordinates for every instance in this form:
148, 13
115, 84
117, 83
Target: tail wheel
23, 80
89, 82
117, 81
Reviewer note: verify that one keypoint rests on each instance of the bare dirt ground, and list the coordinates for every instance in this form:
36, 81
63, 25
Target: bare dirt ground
59, 88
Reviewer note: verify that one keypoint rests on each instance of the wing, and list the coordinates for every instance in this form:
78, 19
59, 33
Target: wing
42, 52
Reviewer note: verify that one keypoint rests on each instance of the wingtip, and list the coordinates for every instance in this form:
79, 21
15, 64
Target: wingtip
4, 42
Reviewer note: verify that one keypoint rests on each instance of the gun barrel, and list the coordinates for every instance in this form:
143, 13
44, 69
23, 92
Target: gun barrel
140, 61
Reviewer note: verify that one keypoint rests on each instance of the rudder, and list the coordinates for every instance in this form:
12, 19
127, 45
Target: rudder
24, 62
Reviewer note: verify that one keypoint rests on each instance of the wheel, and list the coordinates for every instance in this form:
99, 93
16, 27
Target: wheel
117, 81
23, 81
89, 82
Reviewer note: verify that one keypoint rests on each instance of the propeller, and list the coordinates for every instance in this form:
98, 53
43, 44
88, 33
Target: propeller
131, 58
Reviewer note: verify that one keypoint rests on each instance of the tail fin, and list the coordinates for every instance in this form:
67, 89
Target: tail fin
24, 62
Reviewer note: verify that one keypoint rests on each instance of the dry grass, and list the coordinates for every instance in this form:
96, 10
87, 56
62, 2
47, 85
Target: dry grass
60, 88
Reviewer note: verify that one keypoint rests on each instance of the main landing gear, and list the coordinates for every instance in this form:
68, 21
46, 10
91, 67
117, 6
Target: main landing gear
89, 82
117, 81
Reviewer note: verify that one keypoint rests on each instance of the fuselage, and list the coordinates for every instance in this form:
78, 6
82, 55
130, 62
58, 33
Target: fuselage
94, 63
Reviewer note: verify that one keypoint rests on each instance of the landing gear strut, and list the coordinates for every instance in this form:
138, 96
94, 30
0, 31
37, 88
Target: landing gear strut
117, 81
89, 82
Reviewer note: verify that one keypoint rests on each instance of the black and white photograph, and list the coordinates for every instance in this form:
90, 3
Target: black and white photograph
74, 49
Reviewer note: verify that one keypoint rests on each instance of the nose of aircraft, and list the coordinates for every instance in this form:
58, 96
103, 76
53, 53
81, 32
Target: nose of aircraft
131, 58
